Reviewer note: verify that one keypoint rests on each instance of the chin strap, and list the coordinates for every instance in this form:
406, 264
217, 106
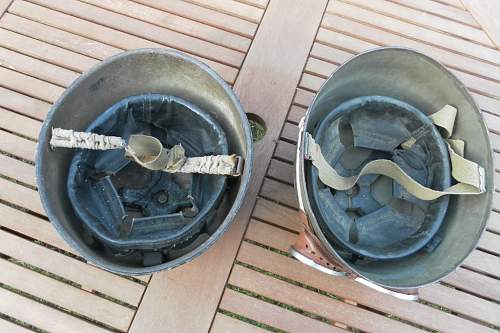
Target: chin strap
469, 175
149, 152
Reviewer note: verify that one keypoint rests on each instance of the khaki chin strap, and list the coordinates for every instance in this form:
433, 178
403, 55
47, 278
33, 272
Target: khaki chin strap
149, 152
469, 175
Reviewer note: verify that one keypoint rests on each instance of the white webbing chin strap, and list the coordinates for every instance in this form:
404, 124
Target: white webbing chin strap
469, 175
149, 152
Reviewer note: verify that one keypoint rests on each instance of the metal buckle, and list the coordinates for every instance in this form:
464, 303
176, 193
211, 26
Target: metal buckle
239, 166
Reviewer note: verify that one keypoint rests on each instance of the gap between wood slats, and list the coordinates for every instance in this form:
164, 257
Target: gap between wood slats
204, 15
99, 33
424, 20
356, 36
90, 277
427, 36
272, 315
225, 324
256, 3
175, 23
453, 3
23, 104
146, 30
7, 326
66, 296
435, 8
315, 303
232, 8
347, 289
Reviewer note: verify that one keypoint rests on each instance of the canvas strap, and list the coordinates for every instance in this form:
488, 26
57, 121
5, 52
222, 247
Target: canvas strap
149, 152
469, 175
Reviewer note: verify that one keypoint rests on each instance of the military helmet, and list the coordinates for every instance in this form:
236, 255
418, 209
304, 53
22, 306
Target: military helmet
163, 161
394, 172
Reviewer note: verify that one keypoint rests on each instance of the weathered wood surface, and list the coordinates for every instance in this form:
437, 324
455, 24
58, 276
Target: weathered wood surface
276, 54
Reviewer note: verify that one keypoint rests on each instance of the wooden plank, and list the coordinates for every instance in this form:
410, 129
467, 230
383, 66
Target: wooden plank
355, 36
279, 192
257, 3
226, 324
282, 171
175, 23
272, 315
64, 39
31, 226
285, 151
263, 70
348, 289
484, 263
296, 113
21, 196
100, 33
453, 3
17, 146
29, 85
437, 8
44, 51
423, 19
486, 14
259, 231
36, 68
204, 15
41, 315
23, 104
312, 302
14, 122
463, 303
490, 242
17, 170
66, 296
277, 214
475, 283
7, 326
416, 32
4, 5
90, 277
146, 30
233, 8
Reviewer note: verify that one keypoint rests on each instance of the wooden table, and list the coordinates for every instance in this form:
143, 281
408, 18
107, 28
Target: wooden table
276, 54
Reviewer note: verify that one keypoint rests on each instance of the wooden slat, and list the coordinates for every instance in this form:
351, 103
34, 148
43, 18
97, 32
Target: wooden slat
475, 283
41, 315
277, 214
257, 3
90, 277
17, 170
348, 289
282, 171
233, 8
44, 51
437, 8
272, 315
486, 14
315, 303
279, 192
204, 15
7, 326
462, 303
174, 22
285, 151
17, 146
4, 4
101, 33
423, 19
453, 3
416, 32
484, 263
226, 324
14, 122
490, 242
263, 70
29, 85
66, 296
356, 36
23, 104
36, 68
31, 226
146, 30
64, 39
296, 113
